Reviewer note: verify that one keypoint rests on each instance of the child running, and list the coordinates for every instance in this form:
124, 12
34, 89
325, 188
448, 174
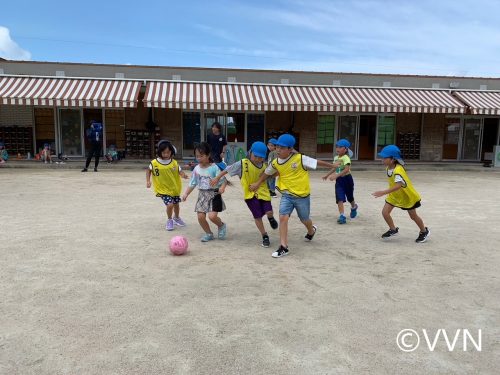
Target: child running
167, 181
259, 202
293, 184
209, 198
344, 184
271, 181
400, 194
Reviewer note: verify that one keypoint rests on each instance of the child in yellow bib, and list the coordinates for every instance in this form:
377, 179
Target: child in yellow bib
259, 202
293, 184
401, 193
167, 183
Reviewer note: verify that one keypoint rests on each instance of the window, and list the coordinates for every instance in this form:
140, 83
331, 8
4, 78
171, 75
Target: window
324, 137
385, 134
191, 132
235, 127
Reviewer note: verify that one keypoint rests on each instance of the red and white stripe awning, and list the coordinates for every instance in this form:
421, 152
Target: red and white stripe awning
480, 102
253, 97
67, 92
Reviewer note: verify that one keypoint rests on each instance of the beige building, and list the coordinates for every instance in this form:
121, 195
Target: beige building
431, 118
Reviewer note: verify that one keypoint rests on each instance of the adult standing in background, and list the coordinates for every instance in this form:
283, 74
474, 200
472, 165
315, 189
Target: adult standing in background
217, 142
94, 134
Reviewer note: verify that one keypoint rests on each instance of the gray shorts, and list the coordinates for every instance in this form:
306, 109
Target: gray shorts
209, 201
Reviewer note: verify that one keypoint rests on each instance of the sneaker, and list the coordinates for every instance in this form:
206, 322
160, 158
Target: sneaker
308, 236
222, 232
265, 241
354, 212
422, 236
95, 169
178, 221
207, 237
170, 225
341, 219
84, 170
273, 194
282, 251
273, 222
390, 233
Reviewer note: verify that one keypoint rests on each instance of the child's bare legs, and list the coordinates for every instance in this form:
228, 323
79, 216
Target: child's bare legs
284, 230
260, 226
340, 204
309, 225
202, 220
170, 209
386, 213
176, 210
417, 219
215, 219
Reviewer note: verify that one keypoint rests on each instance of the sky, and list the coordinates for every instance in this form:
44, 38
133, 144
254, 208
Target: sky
425, 37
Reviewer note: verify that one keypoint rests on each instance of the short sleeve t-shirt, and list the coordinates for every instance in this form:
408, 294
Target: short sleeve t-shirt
217, 143
344, 160
201, 177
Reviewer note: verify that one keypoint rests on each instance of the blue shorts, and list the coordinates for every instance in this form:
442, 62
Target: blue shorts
301, 205
167, 199
344, 189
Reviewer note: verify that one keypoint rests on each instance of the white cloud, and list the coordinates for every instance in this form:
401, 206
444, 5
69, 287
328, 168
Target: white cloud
9, 49
426, 37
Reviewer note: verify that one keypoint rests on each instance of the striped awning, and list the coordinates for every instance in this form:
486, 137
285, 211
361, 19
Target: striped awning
253, 97
67, 92
480, 102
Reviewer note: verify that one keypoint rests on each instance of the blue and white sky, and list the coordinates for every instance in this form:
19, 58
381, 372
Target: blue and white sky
430, 37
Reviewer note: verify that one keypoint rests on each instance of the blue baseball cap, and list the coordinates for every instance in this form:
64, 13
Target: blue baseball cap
272, 141
343, 143
286, 140
392, 151
259, 149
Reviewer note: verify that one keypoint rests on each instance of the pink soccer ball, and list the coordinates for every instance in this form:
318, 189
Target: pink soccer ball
178, 245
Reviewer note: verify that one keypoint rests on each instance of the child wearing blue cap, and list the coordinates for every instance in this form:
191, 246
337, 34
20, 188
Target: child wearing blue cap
271, 181
293, 184
344, 184
401, 193
259, 202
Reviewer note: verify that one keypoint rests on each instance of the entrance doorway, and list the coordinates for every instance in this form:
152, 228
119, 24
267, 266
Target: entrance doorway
367, 136
490, 136
348, 129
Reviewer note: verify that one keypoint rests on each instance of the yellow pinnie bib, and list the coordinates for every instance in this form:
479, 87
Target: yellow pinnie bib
407, 196
166, 178
250, 173
293, 177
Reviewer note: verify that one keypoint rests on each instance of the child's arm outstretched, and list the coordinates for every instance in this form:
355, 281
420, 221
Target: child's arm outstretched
380, 193
264, 176
336, 164
214, 181
188, 191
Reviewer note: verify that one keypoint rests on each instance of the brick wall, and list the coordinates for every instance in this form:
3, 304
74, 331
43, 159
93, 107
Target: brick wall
16, 115
305, 125
170, 123
278, 121
431, 148
408, 122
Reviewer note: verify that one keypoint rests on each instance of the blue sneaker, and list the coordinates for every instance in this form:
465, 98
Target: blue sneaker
207, 237
222, 232
341, 219
354, 212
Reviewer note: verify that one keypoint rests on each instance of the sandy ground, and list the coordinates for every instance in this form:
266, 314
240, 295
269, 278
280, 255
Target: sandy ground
88, 287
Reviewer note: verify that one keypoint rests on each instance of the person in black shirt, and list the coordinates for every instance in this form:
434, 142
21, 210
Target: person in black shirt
217, 142
94, 134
